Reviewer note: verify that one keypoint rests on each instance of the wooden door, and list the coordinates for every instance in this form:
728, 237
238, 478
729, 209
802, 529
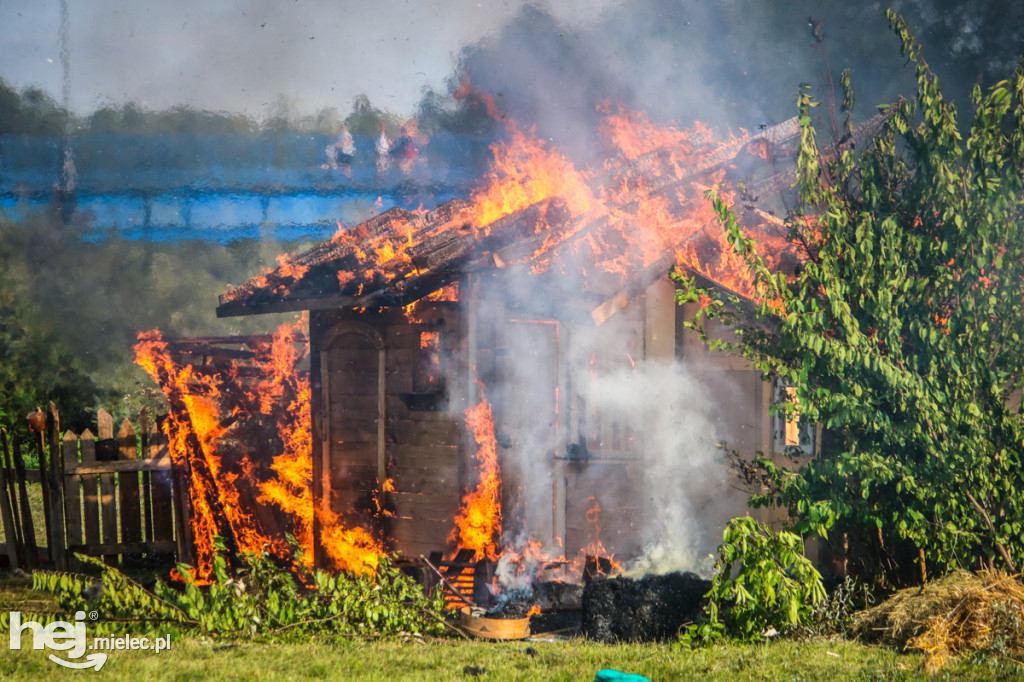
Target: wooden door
352, 365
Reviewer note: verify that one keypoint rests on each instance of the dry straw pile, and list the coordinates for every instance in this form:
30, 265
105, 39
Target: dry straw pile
959, 613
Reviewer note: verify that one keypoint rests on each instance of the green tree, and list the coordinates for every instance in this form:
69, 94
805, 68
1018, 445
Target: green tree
36, 365
902, 332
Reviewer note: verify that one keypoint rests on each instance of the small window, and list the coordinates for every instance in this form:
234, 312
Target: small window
791, 433
427, 373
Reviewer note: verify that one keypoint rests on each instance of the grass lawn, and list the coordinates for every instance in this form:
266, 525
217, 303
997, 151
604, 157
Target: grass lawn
197, 659
200, 658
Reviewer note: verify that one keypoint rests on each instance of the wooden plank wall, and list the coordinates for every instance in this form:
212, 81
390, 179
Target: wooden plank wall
418, 441
604, 504
422, 435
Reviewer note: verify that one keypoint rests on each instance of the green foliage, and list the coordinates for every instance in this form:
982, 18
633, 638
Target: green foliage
762, 583
71, 310
833, 615
29, 112
37, 363
110, 593
902, 332
366, 119
260, 599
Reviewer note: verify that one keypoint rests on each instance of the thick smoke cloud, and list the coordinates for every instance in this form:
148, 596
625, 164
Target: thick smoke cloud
732, 64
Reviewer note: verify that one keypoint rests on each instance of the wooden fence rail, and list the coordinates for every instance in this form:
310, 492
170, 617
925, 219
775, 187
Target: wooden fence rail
104, 494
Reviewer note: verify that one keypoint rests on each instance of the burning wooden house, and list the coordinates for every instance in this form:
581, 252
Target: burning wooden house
482, 376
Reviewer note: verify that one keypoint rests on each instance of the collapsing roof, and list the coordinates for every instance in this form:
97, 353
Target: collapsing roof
640, 213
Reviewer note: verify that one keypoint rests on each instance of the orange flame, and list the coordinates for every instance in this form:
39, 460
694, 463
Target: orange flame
478, 522
205, 407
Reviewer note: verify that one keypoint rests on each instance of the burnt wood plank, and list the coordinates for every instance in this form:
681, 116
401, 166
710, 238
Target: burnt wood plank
360, 414
355, 431
428, 506
343, 454
341, 358
405, 456
441, 481
354, 504
433, 533
399, 337
417, 432
366, 404
342, 385
354, 478
399, 380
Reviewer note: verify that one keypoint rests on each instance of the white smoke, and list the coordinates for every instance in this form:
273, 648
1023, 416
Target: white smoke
685, 478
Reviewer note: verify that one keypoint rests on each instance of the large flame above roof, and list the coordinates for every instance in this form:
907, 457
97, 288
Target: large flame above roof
643, 207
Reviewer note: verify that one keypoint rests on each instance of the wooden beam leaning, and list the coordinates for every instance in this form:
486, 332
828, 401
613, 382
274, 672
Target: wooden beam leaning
27, 529
39, 441
54, 473
12, 534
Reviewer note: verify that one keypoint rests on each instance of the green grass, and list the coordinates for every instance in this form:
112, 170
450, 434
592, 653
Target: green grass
440, 660
201, 658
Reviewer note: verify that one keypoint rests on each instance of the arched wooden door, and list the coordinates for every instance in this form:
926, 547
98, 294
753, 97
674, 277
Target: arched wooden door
353, 406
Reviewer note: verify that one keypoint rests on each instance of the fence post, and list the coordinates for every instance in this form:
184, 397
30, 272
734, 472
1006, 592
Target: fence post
7, 508
90, 493
128, 490
56, 489
28, 530
147, 478
164, 511
37, 425
107, 451
72, 496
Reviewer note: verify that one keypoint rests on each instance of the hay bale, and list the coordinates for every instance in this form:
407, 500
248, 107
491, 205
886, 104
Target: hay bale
959, 613
902, 616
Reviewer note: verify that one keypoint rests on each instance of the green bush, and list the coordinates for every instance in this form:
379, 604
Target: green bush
763, 583
900, 332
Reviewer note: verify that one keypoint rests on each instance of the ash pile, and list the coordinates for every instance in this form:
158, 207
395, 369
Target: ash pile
649, 609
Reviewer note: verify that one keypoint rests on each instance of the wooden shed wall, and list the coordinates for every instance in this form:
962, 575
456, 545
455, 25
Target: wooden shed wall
380, 415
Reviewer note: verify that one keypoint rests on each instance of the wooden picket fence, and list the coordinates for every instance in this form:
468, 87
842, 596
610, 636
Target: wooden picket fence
104, 494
